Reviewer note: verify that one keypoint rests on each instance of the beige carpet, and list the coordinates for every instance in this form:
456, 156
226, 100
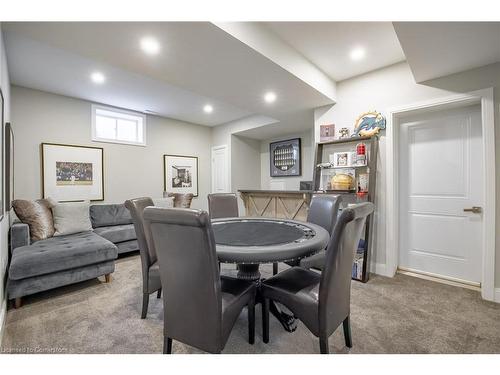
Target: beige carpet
399, 315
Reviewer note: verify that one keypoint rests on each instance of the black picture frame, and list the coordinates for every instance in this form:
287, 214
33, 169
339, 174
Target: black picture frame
9, 166
167, 185
2, 174
285, 158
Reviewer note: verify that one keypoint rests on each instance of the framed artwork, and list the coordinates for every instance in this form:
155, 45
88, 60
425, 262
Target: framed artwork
72, 173
180, 174
326, 133
285, 158
9, 165
2, 199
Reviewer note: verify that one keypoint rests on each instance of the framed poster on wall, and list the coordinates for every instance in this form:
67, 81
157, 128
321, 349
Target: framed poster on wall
9, 165
180, 174
2, 119
72, 173
285, 158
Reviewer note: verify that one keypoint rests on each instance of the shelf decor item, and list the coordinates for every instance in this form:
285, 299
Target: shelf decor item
343, 133
369, 124
360, 155
343, 181
180, 174
285, 158
72, 173
326, 133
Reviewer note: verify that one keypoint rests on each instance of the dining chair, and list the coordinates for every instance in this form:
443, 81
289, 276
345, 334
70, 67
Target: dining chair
321, 300
150, 271
323, 211
222, 205
202, 306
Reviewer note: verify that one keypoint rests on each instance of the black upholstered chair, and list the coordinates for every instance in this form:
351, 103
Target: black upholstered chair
222, 205
321, 301
150, 270
323, 211
202, 307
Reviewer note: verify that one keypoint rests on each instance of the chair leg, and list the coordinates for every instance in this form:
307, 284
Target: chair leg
107, 278
158, 294
167, 345
275, 268
265, 320
18, 302
347, 331
145, 303
251, 321
323, 345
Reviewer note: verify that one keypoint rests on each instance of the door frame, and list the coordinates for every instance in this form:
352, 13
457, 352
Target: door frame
228, 174
485, 99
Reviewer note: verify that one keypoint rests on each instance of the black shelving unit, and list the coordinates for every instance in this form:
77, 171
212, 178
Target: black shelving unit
323, 150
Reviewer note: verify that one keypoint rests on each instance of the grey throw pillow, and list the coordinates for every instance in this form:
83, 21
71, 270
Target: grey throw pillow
71, 217
38, 215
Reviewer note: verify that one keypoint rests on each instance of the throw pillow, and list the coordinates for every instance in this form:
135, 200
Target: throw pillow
71, 217
180, 200
164, 202
37, 215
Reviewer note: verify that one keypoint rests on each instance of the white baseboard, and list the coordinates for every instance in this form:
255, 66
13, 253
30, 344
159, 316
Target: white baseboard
496, 297
380, 269
3, 316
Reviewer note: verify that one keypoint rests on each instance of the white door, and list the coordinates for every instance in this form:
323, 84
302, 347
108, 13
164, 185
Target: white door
220, 170
441, 174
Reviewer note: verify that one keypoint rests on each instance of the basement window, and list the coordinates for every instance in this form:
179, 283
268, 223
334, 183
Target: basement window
118, 126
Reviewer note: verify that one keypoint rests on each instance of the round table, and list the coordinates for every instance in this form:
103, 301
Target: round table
251, 241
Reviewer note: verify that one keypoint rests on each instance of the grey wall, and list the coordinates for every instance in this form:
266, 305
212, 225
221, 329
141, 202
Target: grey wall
4, 224
395, 86
290, 183
129, 171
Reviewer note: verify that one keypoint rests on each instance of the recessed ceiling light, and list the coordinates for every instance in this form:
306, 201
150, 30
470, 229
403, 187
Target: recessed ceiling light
97, 77
357, 53
208, 108
270, 97
150, 45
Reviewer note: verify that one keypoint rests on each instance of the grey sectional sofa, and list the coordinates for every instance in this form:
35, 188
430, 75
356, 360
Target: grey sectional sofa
64, 260
114, 223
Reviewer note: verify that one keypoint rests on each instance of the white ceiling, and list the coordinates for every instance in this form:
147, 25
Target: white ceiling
328, 44
198, 63
437, 49
231, 66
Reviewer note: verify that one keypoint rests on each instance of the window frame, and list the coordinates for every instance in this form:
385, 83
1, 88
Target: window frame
95, 138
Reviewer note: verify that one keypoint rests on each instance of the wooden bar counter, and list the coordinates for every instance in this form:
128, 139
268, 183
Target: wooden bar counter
283, 204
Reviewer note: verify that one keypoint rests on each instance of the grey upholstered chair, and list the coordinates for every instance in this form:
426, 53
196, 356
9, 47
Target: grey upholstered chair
323, 211
202, 307
321, 301
150, 272
222, 205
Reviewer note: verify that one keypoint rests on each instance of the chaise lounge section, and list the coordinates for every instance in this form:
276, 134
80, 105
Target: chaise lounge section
56, 261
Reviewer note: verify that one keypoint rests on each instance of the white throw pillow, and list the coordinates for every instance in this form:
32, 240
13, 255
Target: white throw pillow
164, 202
71, 217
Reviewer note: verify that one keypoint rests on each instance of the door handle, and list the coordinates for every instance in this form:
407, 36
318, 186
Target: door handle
474, 209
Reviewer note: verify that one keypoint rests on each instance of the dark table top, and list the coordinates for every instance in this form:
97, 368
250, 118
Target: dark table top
254, 240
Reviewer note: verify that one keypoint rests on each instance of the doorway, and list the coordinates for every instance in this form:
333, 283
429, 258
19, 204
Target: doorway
220, 170
395, 116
